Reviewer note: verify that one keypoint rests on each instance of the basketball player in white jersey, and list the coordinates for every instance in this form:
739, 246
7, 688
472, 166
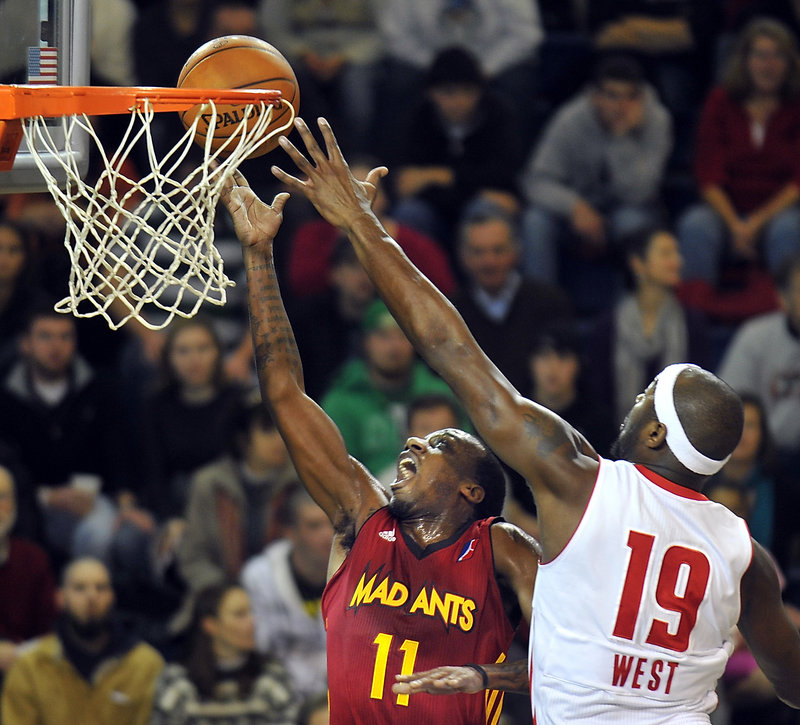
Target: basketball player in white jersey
642, 578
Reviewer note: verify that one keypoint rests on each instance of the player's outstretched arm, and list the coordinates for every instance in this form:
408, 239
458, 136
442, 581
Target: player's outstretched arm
339, 484
530, 438
508, 676
769, 632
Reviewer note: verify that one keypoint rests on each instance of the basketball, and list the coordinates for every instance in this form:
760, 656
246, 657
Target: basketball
238, 62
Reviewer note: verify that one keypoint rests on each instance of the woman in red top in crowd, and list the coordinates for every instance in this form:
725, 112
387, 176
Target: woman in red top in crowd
747, 161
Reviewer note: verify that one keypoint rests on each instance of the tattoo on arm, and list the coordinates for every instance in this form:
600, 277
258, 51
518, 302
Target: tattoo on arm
544, 432
509, 676
273, 339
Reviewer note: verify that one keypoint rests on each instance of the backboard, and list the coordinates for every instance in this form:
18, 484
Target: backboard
44, 42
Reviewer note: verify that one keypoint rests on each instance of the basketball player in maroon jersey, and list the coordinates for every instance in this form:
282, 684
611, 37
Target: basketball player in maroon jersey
631, 623
426, 577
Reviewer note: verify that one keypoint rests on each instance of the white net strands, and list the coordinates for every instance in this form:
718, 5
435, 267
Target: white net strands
144, 248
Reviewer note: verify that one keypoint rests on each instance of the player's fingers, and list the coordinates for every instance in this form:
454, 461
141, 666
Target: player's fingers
331, 144
372, 182
314, 151
292, 182
239, 179
226, 195
299, 159
280, 201
375, 175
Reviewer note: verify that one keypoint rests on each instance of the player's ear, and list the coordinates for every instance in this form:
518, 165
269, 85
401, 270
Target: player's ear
472, 492
655, 434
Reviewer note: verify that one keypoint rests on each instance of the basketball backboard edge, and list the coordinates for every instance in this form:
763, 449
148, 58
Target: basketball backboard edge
64, 25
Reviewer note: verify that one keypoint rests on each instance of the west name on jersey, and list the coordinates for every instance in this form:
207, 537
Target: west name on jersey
640, 673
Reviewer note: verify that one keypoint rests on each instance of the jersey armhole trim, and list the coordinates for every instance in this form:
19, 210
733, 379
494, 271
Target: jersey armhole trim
602, 461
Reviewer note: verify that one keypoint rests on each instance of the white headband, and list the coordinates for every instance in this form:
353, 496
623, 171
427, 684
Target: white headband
677, 440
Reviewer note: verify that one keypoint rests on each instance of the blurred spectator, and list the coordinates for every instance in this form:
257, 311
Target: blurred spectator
20, 291
222, 679
596, 172
461, 139
369, 397
63, 420
165, 35
92, 670
188, 419
334, 47
432, 412
506, 34
285, 584
674, 39
749, 471
231, 502
314, 243
746, 691
558, 382
747, 170
503, 310
112, 42
648, 328
328, 324
27, 587
784, 11
28, 519
233, 17
101, 346
315, 711
763, 359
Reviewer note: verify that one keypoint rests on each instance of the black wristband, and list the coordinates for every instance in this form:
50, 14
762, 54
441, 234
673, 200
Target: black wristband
482, 673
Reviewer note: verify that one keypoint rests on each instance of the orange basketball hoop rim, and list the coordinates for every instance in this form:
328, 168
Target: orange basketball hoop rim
18, 102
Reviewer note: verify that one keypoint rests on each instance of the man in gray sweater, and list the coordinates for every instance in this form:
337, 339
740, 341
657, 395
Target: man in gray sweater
596, 173
763, 359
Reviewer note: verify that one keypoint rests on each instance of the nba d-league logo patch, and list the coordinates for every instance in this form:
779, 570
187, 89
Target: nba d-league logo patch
468, 550
388, 535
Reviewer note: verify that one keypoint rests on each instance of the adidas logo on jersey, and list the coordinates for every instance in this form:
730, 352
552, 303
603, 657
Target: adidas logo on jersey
388, 535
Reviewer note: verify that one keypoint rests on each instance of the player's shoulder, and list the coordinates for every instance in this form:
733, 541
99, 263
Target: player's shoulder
509, 540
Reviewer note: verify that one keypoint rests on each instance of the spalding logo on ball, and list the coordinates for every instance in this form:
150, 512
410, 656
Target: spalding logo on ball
237, 62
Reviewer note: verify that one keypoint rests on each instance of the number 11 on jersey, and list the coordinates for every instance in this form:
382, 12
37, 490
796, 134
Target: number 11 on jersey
409, 649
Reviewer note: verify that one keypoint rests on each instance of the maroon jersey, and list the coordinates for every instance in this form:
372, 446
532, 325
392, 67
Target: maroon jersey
393, 608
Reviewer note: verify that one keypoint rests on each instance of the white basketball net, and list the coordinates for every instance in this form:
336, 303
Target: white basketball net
145, 245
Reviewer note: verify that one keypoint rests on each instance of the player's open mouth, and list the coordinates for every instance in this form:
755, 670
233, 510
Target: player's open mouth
406, 468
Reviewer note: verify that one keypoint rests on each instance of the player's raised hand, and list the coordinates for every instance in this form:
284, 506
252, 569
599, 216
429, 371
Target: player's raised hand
329, 185
439, 681
255, 222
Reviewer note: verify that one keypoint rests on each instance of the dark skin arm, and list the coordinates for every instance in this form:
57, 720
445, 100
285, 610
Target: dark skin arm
341, 486
766, 627
558, 463
516, 561
508, 676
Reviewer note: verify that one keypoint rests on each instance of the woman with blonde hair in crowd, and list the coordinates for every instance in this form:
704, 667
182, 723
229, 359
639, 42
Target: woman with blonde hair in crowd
747, 169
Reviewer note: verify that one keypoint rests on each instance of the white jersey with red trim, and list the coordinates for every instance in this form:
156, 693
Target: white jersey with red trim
632, 620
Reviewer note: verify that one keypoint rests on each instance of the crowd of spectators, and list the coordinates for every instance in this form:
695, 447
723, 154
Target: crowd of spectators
601, 189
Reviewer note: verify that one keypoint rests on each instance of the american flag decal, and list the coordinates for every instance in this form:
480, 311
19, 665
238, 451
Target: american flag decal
468, 550
42, 66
